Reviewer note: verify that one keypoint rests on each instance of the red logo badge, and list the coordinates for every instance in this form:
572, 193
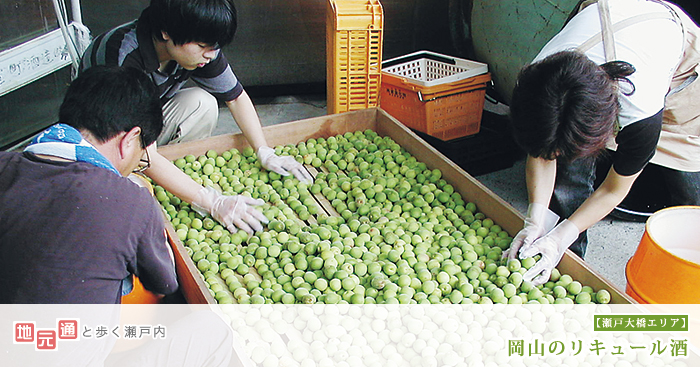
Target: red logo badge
24, 332
68, 329
45, 339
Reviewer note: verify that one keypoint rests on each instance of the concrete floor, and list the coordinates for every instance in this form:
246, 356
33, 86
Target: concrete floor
611, 241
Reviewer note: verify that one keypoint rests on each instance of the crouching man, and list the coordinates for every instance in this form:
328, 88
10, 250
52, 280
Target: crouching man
72, 227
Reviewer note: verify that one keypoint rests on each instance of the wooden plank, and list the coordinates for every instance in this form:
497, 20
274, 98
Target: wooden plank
321, 200
326, 205
487, 201
290, 132
579, 270
192, 285
320, 127
187, 273
376, 119
219, 143
311, 221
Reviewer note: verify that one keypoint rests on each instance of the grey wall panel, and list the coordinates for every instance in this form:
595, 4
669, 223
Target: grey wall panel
507, 35
35, 106
23, 20
283, 41
31, 108
279, 42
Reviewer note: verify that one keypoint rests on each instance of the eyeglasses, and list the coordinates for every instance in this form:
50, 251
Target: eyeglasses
144, 164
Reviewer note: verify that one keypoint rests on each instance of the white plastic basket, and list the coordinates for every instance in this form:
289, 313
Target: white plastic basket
426, 68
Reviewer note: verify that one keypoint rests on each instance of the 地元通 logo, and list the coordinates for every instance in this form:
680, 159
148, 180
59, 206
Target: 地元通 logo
69, 329
45, 339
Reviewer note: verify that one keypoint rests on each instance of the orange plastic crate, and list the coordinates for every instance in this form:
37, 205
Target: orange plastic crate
354, 37
436, 94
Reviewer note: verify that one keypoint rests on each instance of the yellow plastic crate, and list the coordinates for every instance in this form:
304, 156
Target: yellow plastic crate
354, 38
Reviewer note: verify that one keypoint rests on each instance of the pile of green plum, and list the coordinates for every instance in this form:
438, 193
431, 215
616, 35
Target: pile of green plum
375, 226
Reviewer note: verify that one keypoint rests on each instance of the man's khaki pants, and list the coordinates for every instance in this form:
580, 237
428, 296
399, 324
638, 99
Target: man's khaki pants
190, 115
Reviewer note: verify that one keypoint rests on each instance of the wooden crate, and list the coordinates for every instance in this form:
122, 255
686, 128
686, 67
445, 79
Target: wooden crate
194, 288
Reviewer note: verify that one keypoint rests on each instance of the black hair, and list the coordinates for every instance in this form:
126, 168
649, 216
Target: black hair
108, 100
213, 22
566, 106
619, 71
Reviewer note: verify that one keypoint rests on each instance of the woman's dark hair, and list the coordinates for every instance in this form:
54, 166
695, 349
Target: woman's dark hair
108, 100
566, 106
213, 22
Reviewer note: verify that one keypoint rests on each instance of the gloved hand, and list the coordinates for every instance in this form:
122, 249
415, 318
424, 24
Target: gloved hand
284, 165
233, 211
539, 221
552, 247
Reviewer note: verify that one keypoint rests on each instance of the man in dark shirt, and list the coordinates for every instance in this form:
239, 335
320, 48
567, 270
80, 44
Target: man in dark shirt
72, 227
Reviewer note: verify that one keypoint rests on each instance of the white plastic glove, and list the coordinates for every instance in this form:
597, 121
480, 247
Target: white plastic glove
552, 247
539, 221
284, 165
233, 211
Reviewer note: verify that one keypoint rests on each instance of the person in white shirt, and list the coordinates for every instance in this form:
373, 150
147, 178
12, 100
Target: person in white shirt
634, 92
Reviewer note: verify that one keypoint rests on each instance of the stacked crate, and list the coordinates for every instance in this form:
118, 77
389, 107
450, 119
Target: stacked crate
354, 37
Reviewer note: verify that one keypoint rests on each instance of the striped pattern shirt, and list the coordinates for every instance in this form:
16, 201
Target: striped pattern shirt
131, 45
